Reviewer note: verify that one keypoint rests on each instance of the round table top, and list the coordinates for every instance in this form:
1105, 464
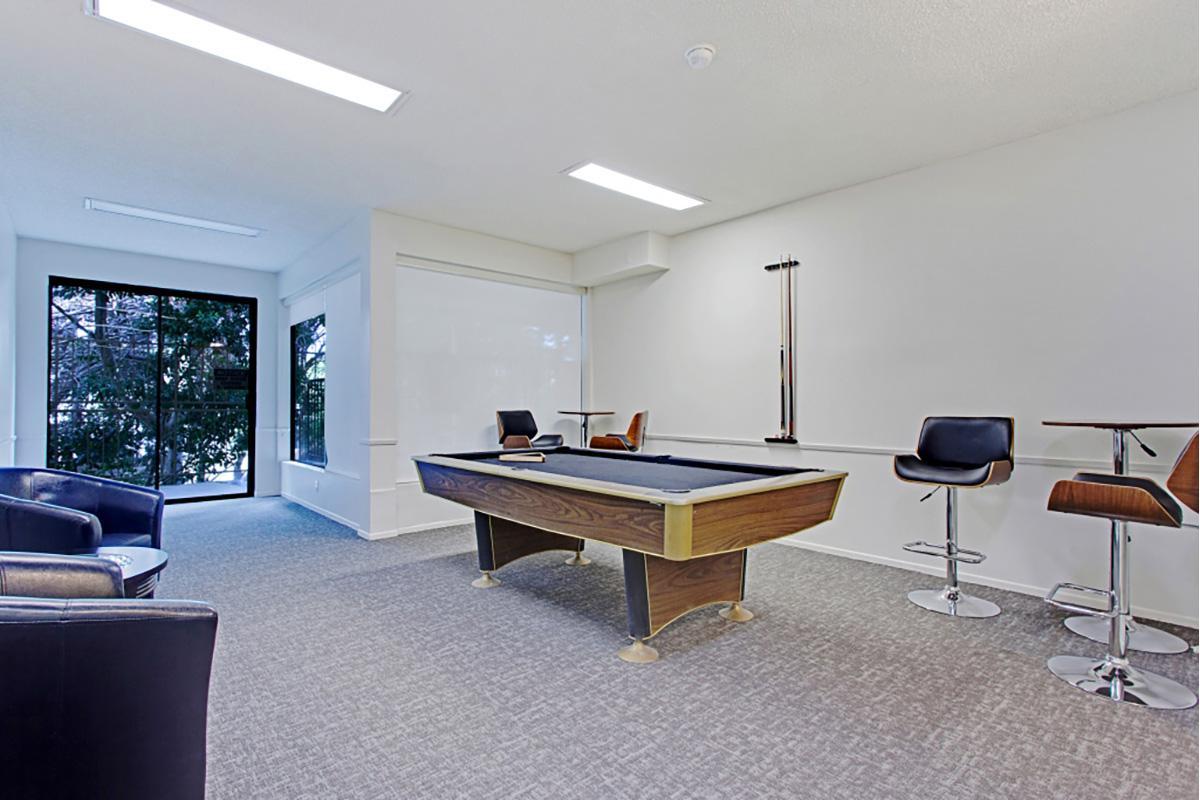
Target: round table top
134, 561
589, 413
1121, 426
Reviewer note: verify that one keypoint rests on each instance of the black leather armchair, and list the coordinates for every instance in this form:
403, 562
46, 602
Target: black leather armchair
518, 429
44, 528
125, 515
100, 697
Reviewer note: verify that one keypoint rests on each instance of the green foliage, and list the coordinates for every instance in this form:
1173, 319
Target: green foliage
106, 360
308, 391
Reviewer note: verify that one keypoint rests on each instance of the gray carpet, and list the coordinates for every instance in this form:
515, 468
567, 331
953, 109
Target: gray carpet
353, 669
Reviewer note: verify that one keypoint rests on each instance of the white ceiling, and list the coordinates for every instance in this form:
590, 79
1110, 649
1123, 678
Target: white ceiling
803, 97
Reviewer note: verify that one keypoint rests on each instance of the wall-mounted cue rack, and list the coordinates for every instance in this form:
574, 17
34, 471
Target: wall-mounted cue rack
787, 358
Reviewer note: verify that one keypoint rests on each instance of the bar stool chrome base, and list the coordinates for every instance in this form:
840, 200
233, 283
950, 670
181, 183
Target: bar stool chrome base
1123, 684
1141, 637
954, 603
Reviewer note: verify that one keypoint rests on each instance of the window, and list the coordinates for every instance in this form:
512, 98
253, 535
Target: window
153, 387
308, 391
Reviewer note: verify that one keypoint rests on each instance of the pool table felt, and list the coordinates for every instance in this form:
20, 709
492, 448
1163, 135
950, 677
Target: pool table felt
663, 473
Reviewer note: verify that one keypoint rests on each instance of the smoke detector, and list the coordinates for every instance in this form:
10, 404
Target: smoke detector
699, 56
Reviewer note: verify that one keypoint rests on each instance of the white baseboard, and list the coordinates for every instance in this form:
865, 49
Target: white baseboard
1011, 586
424, 526
317, 509
374, 536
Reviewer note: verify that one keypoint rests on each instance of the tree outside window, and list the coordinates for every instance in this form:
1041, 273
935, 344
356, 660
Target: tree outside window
308, 391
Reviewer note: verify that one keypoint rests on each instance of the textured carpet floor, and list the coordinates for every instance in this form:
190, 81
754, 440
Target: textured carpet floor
353, 669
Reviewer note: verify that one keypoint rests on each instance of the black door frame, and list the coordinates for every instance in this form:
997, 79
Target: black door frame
160, 293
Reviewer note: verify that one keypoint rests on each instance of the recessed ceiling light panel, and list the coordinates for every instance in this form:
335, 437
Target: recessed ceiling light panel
618, 182
92, 204
199, 34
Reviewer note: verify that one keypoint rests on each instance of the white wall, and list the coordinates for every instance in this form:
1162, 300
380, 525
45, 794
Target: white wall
396, 504
38, 260
466, 347
339, 488
1054, 277
403, 236
363, 487
8, 329
331, 279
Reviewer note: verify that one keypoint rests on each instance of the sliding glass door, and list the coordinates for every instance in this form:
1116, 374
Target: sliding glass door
153, 387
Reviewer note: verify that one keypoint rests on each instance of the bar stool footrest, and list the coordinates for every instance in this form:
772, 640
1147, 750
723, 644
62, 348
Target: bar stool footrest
1075, 608
962, 555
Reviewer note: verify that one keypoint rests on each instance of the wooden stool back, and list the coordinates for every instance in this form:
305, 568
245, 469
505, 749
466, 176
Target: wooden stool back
1183, 480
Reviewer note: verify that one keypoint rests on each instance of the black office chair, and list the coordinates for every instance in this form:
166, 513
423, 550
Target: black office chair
101, 697
517, 429
954, 453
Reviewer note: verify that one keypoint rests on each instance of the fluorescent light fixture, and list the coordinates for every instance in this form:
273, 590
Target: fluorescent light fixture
170, 23
610, 179
166, 216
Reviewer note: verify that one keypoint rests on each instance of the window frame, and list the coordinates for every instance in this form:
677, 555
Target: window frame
161, 292
293, 398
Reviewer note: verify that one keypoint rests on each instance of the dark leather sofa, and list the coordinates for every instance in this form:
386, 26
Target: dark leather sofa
35, 503
102, 697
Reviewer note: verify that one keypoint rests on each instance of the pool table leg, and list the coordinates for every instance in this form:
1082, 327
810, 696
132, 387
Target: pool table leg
659, 591
579, 559
501, 542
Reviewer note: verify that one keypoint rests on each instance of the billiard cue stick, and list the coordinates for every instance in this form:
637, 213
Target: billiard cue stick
791, 343
782, 356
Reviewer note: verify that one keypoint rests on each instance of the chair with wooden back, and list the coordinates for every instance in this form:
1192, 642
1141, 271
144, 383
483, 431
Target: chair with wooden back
1183, 479
1121, 499
517, 430
632, 440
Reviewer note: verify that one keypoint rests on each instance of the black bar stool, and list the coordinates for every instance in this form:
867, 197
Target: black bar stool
954, 453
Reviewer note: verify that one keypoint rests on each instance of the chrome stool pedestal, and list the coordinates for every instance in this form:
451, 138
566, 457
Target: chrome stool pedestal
951, 600
953, 603
1122, 683
1113, 676
1143, 638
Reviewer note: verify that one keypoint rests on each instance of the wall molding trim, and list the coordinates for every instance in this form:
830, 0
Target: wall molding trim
855, 449
379, 442
969, 577
321, 283
483, 273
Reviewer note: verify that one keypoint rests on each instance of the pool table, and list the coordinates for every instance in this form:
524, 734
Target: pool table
683, 524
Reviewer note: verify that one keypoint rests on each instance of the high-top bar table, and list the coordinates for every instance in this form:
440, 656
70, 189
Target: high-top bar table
585, 416
1141, 637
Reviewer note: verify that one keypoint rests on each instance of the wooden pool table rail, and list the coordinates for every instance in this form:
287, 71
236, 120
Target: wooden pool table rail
750, 486
675, 526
